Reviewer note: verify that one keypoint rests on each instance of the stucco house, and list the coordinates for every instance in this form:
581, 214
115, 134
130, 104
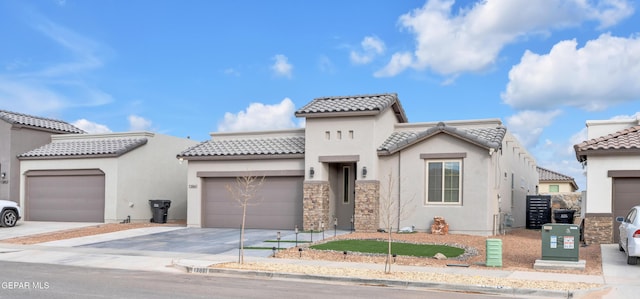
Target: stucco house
554, 182
612, 157
20, 133
103, 177
338, 168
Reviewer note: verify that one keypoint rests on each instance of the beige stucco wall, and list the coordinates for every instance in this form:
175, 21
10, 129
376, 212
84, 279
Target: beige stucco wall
599, 184
148, 172
487, 177
563, 187
369, 132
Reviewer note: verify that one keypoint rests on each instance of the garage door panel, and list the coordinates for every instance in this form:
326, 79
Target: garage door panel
626, 194
65, 198
277, 206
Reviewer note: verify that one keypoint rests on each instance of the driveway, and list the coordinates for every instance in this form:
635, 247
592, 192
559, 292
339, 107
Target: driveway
624, 279
223, 241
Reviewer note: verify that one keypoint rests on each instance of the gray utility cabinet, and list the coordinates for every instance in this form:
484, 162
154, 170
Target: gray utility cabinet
560, 242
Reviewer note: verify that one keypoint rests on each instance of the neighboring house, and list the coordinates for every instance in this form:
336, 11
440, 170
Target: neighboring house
612, 157
103, 177
20, 133
335, 171
555, 182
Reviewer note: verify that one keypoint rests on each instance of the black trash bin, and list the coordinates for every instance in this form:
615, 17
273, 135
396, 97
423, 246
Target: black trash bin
159, 210
564, 216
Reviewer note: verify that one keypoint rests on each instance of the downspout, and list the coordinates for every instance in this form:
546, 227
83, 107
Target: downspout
399, 187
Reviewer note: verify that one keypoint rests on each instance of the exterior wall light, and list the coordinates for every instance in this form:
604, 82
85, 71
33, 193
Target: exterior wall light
364, 172
311, 172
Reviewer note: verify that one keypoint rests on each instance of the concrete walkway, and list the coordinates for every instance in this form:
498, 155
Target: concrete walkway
111, 251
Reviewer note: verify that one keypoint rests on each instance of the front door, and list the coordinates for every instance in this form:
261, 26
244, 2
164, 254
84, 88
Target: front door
344, 199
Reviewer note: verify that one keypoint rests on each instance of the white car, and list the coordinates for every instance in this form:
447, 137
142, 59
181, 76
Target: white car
9, 213
630, 235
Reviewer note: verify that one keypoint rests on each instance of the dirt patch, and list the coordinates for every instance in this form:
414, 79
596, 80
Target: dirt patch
83, 232
520, 249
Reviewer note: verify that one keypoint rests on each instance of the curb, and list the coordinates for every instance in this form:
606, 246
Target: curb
386, 282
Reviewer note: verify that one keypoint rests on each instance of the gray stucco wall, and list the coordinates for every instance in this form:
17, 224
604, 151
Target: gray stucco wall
15, 141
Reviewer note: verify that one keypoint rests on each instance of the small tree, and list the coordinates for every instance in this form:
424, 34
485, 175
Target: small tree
244, 192
391, 211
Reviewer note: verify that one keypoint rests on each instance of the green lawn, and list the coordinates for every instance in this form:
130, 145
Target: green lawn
381, 247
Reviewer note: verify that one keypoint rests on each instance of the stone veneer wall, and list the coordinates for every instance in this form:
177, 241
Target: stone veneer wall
367, 206
315, 204
566, 201
598, 229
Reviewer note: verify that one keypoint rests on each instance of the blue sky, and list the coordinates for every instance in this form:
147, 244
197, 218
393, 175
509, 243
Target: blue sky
187, 68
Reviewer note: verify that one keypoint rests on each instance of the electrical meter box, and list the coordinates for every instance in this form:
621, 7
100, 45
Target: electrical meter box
560, 242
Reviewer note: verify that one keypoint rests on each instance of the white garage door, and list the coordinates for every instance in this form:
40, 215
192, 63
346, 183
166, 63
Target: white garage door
70, 196
278, 204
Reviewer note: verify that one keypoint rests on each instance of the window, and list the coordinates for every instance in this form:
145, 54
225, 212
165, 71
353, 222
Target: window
443, 181
327, 135
339, 135
346, 187
350, 134
554, 188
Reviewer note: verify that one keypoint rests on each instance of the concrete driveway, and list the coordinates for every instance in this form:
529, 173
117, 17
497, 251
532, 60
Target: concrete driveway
221, 241
624, 279
197, 240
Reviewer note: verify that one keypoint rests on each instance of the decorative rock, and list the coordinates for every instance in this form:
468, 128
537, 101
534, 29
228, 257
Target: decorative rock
440, 256
439, 226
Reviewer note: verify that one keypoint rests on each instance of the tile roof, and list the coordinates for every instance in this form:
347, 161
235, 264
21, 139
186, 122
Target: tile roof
627, 140
95, 147
246, 147
484, 137
38, 122
546, 175
366, 104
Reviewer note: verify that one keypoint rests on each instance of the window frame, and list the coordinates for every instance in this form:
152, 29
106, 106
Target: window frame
460, 166
556, 186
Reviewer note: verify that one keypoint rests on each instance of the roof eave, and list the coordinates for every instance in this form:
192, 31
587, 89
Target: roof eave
240, 157
582, 155
337, 114
59, 157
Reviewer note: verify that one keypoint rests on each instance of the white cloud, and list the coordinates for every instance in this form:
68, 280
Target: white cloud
29, 97
281, 67
232, 72
326, 65
634, 116
528, 125
54, 86
84, 50
91, 127
371, 47
138, 123
471, 39
259, 117
594, 77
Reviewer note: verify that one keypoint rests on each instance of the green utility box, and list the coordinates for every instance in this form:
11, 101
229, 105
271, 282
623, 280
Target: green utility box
560, 242
494, 253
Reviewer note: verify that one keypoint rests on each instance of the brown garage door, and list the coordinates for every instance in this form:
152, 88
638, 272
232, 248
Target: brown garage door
279, 207
626, 194
70, 196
